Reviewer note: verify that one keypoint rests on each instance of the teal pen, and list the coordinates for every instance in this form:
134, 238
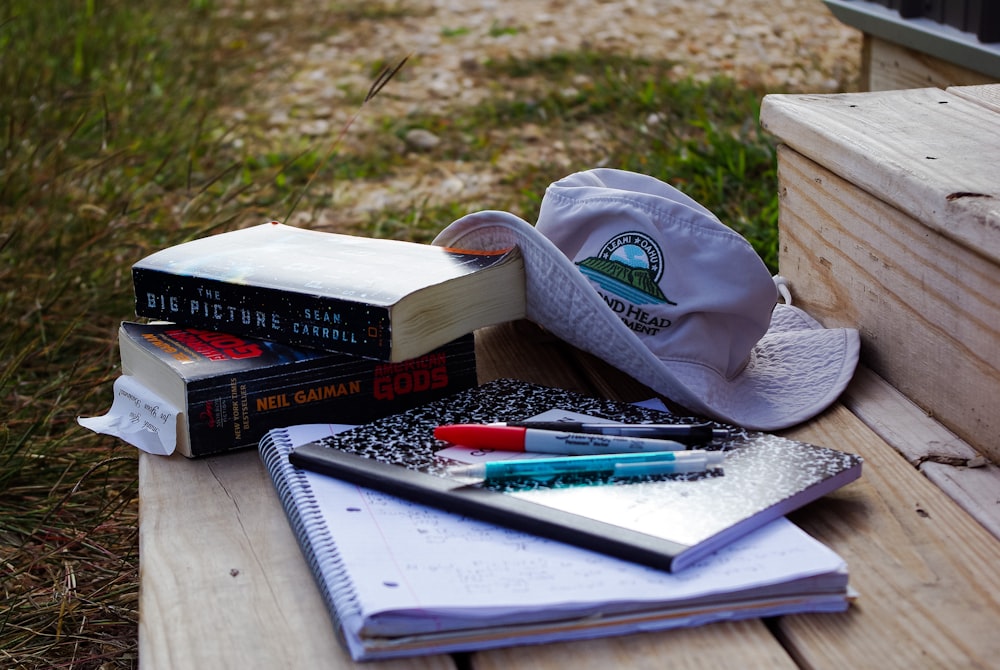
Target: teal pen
610, 466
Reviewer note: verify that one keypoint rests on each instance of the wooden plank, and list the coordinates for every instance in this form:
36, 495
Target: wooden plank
927, 152
889, 66
613, 383
745, 644
928, 311
975, 489
987, 96
525, 350
929, 593
948, 461
223, 583
522, 350
902, 424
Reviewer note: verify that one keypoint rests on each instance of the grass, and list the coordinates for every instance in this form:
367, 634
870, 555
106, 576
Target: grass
114, 144
702, 138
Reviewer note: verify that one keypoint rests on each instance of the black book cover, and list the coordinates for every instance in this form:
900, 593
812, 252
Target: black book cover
232, 389
341, 293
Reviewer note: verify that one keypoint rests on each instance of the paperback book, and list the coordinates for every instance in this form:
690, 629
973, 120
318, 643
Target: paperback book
231, 390
668, 522
400, 578
383, 299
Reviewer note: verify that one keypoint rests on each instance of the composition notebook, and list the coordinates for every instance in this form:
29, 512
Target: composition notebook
667, 522
401, 579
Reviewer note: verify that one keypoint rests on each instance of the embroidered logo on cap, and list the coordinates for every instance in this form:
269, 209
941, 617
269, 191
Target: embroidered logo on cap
629, 265
628, 269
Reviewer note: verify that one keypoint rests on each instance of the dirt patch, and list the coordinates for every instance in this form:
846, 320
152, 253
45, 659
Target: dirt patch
312, 53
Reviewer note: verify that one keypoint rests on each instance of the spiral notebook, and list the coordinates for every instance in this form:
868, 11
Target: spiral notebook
665, 522
402, 579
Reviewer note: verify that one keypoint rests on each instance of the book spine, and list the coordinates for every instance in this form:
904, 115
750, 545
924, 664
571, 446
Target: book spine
235, 411
314, 538
299, 319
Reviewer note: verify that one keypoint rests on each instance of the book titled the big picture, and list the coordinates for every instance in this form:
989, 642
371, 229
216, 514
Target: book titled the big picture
383, 299
231, 390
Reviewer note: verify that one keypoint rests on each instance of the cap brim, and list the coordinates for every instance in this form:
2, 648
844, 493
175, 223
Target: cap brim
791, 376
795, 371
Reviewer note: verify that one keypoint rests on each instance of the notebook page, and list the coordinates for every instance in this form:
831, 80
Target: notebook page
429, 566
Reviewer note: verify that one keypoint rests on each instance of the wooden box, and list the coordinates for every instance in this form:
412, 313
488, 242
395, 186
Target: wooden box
887, 66
890, 222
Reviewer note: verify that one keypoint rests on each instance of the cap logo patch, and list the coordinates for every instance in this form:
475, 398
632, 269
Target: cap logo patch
629, 266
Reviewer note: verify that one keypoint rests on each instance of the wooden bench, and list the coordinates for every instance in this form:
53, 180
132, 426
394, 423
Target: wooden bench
223, 584
890, 222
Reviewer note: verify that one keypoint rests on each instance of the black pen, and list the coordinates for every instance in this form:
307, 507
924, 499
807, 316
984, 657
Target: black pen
698, 433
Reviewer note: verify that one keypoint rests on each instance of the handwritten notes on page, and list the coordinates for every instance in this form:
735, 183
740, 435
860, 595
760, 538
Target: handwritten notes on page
415, 567
139, 417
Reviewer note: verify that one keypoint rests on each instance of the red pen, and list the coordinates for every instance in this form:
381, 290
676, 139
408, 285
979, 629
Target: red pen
514, 438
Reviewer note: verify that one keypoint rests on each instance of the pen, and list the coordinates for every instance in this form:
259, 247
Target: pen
514, 438
698, 433
611, 465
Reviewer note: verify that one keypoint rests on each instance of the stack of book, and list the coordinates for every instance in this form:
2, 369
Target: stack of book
273, 325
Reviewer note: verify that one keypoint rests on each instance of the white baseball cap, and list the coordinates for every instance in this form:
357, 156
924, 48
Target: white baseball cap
630, 269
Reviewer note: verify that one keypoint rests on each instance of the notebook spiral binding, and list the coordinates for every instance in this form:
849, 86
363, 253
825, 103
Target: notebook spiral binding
306, 520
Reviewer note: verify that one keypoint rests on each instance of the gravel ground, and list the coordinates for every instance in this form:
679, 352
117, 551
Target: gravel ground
305, 64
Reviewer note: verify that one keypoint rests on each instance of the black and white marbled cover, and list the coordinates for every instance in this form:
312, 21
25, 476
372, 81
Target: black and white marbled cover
682, 517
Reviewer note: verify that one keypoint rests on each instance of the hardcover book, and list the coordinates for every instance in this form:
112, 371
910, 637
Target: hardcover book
383, 299
231, 390
667, 522
400, 578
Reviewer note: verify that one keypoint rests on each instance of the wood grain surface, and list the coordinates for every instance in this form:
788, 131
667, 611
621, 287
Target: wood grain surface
224, 585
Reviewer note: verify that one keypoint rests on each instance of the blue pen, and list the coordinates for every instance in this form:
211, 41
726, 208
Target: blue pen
610, 465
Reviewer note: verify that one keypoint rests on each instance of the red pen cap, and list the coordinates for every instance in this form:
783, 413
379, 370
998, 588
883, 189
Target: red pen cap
478, 436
